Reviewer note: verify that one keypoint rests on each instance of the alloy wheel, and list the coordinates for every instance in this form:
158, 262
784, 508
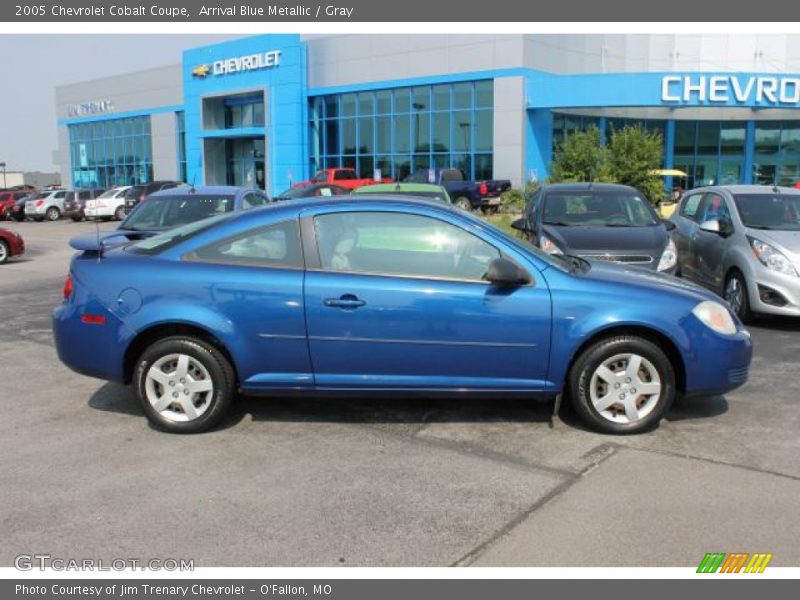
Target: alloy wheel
179, 387
625, 388
734, 294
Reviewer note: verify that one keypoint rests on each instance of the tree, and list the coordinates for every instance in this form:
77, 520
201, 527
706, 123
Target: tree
581, 157
633, 154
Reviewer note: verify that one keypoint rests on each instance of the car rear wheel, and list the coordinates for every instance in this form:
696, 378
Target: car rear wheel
735, 295
185, 384
119, 214
4, 251
622, 385
53, 214
77, 219
463, 203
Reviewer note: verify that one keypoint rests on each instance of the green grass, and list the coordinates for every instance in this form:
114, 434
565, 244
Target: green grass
503, 222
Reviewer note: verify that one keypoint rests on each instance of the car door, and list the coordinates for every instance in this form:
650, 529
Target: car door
685, 229
709, 247
395, 300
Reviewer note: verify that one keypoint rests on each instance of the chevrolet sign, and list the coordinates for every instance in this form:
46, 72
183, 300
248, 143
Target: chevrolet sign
249, 62
726, 89
90, 108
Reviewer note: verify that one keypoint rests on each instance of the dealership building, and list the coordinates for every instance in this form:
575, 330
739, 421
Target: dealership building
269, 110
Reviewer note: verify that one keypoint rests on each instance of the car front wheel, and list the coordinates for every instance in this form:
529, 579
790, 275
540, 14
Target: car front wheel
119, 214
736, 296
185, 384
622, 385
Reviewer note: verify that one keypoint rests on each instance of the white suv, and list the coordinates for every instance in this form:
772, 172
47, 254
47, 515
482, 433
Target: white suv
46, 205
109, 205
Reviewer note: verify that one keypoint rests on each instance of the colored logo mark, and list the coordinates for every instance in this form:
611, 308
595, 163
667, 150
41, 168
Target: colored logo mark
201, 71
736, 562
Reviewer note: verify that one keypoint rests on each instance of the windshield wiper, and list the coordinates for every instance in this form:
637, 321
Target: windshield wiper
760, 227
557, 223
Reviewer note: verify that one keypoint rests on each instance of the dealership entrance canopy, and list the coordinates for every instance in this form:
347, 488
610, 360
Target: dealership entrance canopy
266, 111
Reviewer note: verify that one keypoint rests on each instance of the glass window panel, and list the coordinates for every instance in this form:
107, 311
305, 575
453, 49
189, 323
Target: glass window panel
422, 133
349, 162
731, 138
384, 134
441, 132
348, 105
788, 174
462, 96
441, 97
366, 104
441, 161
420, 161
768, 136
484, 130
332, 162
365, 131
402, 133
366, 165
316, 108
384, 163
462, 131
348, 136
331, 137
708, 137
383, 102
402, 100
258, 114
483, 166
464, 163
331, 107
684, 137
484, 94
401, 167
422, 99
790, 137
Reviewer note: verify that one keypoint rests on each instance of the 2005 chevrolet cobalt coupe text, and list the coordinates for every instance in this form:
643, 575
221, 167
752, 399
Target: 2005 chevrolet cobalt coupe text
386, 296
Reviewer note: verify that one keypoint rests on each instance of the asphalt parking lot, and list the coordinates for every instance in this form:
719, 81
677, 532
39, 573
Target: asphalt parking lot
355, 482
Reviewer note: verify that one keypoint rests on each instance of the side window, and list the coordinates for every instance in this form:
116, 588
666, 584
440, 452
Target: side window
713, 207
690, 205
400, 244
274, 246
69, 196
252, 200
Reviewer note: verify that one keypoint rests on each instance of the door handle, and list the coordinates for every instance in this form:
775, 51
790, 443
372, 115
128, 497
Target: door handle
344, 301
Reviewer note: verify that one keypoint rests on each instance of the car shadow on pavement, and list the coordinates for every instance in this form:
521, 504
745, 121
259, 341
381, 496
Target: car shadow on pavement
776, 323
112, 397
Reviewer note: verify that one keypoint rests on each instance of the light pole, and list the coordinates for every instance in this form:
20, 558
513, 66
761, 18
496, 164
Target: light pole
3, 166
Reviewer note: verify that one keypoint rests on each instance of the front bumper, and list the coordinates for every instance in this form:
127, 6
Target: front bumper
774, 293
715, 363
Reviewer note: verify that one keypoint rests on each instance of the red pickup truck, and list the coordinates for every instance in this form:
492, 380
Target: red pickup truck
346, 178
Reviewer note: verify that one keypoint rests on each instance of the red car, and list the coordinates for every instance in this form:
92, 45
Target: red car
346, 178
7, 199
11, 244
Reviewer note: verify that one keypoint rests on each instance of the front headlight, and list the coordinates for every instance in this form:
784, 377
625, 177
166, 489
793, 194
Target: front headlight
548, 245
669, 257
771, 258
715, 316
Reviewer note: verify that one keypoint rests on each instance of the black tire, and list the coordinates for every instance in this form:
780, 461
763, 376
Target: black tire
741, 307
463, 203
52, 214
218, 367
584, 367
119, 214
4, 251
77, 219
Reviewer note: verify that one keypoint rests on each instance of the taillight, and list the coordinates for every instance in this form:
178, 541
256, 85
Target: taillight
141, 197
39, 202
68, 286
484, 189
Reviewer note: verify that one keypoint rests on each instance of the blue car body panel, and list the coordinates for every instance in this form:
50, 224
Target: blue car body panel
411, 334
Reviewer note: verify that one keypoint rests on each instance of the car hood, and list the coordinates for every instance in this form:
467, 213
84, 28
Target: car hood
613, 240
786, 241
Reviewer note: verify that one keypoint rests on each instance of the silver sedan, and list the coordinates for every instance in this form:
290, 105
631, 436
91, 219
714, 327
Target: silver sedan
743, 242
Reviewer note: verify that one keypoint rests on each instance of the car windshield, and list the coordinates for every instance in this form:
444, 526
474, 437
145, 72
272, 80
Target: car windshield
320, 177
159, 243
595, 208
166, 212
109, 193
769, 211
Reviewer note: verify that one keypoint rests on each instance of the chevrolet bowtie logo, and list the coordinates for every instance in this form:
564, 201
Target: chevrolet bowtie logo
201, 71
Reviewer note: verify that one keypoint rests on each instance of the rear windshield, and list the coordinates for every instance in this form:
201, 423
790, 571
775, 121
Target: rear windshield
769, 211
163, 241
608, 209
166, 212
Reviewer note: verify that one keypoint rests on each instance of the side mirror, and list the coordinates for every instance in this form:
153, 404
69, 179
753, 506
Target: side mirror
503, 272
669, 225
712, 226
522, 225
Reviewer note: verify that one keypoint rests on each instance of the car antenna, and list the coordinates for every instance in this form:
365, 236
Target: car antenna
192, 190
99, 242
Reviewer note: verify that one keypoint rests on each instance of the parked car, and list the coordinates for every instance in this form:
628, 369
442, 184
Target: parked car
17, 210
11, 244
420, 190
46, 205
137, 193
605, 222
743, 242
311, 191
346, 178
75, 202
466, 194
385, 296
108, 205
7, 200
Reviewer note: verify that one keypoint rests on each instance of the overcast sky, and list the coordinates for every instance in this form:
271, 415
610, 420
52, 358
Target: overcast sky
32, 65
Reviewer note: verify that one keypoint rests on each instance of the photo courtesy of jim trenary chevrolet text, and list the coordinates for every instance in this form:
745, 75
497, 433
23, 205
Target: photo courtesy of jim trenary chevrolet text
372, 299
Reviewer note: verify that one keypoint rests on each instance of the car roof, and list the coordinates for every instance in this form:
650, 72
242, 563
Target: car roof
203, 190
587, 187
403, 186
749, 189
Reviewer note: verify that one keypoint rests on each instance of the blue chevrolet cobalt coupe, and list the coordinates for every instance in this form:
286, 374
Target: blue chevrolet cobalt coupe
386, 295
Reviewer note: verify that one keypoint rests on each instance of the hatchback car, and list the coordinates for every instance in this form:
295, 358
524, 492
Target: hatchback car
385, 296
48, 205
743, 242
11, 244
140, 191
599, 221
419, 190
75, 202
108, 205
